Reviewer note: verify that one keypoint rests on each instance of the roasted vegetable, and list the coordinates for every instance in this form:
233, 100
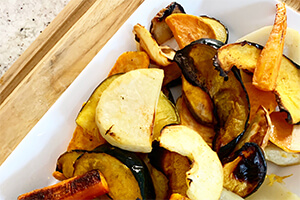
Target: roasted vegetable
283, 134
245, 171
135, 164
259, 129
188, 28
115, 172
244, 55
268, 64
186, 118
83, 140
158, 28
259, 98
198, 102
166, 113
177, 196
126, 109
228, 94
66, 161
162, 56
219, 28
86, 116
205, 178
87, 186
280, 157
130, 60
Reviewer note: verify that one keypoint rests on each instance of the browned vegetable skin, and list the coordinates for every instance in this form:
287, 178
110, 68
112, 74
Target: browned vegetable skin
245, 171
87, 186
220, 29
158, 28
229, 96
198, 102
244, 55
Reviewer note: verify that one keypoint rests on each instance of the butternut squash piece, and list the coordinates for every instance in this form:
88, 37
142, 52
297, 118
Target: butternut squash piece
87, 186
268, 65
177, 196
83, 140
130, 60
258, 97
282, 135
188, 28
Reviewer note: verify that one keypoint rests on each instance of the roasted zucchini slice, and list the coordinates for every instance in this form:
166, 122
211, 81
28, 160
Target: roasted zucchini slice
230, 99
244, 55
245, 171
159, 30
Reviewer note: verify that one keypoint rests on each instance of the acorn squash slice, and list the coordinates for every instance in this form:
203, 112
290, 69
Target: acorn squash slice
245, 171
230, 99
244, 55
117, 174
205, 178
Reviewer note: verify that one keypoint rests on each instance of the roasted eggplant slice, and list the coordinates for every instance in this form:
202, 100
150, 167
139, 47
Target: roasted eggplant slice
230, 99
159, 30
245, 171
220, 29
244, 55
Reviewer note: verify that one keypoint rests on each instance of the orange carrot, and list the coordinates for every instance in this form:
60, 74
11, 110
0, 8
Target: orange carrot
268, 64
88, 186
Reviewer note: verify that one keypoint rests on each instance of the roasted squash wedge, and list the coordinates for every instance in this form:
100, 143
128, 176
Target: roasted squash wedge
245, 171
130, 60
228, 95
115, 172
188, 28
86, 116
205, 178
187, 119
244, 55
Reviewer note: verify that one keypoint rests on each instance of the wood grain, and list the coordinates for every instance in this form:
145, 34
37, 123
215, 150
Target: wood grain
53, 72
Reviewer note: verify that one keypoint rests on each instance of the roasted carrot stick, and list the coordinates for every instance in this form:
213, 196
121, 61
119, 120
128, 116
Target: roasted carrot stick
88, 186
268, 64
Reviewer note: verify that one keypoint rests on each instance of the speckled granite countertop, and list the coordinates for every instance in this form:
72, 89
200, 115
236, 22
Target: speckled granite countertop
21, 21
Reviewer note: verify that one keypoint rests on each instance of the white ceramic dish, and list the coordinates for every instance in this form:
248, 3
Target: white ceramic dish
31, 165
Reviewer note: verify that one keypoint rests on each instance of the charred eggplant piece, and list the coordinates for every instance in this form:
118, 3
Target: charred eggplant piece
246, 170
244, 55
159, 30
230, 99
220, 29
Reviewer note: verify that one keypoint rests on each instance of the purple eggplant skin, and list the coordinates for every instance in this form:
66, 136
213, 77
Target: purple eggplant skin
251, 169
196, 63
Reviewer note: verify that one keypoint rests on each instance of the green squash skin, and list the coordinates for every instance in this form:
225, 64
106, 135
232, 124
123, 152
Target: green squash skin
135, 164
